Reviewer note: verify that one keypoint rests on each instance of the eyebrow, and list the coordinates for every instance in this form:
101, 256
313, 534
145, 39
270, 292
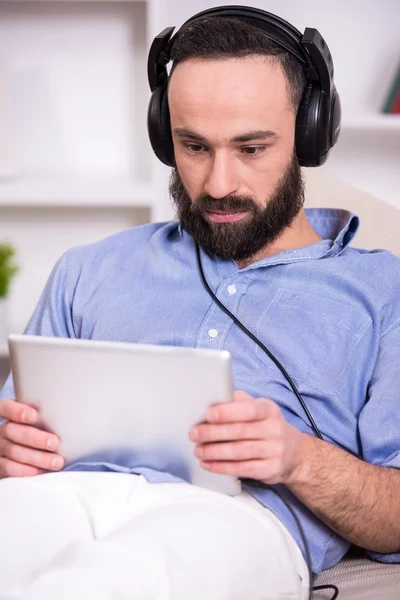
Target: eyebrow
248, 136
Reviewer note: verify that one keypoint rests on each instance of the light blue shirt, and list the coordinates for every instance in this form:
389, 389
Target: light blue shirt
330, 314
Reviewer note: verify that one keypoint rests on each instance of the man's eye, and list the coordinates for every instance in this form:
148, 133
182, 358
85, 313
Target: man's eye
253, 150
194, 148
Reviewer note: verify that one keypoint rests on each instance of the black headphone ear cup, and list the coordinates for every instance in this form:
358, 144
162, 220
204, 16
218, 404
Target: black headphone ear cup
158, 125
302, 137
165, 129
335, 118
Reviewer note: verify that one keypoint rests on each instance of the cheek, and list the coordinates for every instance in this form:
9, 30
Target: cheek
278, 158
191, 175
262, 177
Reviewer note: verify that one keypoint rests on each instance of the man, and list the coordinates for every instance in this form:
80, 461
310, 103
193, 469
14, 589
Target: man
329, 313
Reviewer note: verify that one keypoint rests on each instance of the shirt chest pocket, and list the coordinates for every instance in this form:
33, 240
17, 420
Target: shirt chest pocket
311, 336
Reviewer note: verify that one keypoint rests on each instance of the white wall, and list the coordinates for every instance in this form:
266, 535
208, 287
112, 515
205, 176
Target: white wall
74, 73
77, 144
363, 36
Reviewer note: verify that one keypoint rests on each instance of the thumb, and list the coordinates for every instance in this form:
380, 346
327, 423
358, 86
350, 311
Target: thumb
242, 396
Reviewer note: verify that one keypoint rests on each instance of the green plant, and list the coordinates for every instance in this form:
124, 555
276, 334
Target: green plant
7, 268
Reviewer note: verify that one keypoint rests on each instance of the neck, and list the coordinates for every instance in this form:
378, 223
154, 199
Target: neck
299, 234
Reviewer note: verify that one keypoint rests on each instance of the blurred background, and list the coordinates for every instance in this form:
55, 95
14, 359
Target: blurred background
75, 161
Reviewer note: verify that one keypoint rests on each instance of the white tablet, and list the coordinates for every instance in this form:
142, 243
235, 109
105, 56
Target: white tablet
122, 402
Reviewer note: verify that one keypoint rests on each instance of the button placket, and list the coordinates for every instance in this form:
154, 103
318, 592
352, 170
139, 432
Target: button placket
217, 323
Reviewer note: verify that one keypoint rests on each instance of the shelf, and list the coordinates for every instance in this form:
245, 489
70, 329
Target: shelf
86, 192
372, 122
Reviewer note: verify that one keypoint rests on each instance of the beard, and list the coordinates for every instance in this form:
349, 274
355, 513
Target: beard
241, 239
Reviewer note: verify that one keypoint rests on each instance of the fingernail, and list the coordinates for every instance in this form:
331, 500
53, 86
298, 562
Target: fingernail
57, 462
194, 434
28, 416
213, 415
50, 444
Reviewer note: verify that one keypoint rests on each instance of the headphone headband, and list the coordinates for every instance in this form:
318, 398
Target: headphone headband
318, 118
260, 19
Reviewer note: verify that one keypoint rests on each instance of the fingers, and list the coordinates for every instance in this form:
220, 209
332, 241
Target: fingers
25, 450
262, 470
17, 412
242, 410
10, 468
29, 436
239, 451
247, 438
242, 396
47, 461
205, 432
256, 420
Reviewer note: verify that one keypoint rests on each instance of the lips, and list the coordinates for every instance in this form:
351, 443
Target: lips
219, 216
224, 212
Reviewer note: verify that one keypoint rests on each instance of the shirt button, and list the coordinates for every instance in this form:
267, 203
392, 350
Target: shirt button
212, 333
231, 289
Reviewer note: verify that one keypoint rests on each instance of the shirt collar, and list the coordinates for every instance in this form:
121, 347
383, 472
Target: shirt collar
336, 226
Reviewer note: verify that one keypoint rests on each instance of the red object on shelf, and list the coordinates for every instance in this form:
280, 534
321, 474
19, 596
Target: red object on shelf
391, 105
396, 104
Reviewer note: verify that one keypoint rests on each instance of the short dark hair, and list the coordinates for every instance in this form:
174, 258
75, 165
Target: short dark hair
219, 37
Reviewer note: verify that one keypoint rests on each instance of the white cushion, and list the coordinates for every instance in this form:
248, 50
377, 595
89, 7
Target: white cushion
380, 221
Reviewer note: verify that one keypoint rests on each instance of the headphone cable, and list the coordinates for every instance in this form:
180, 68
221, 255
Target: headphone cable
254, 482
261, 345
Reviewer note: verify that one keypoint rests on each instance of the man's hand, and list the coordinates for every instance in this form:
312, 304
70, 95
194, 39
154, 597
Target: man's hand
248, 438
24, 449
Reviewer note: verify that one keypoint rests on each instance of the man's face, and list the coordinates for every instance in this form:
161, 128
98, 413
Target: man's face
237, 185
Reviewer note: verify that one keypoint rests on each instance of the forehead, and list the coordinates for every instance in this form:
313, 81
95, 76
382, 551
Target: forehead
229, 94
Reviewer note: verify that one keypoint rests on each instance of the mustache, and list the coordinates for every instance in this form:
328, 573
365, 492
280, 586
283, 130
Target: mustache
205, 203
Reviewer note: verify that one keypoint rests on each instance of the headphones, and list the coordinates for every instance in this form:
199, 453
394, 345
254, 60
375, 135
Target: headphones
319, 114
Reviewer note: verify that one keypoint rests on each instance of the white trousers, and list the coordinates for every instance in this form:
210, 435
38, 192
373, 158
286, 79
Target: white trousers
113, 536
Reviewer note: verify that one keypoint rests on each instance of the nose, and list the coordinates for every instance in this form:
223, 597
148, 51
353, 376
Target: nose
222, 179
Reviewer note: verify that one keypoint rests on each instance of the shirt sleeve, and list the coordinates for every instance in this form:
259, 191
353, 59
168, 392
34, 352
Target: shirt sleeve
379, 420
52, 316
